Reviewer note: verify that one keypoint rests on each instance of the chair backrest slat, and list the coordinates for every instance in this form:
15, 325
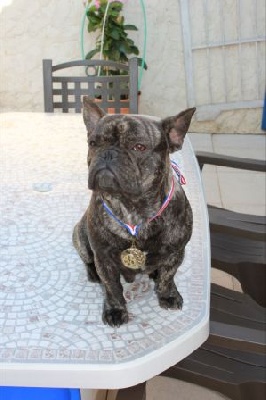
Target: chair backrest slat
113, 92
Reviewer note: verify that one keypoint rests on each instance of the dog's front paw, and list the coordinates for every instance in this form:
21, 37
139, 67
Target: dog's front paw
115, 316
173, 302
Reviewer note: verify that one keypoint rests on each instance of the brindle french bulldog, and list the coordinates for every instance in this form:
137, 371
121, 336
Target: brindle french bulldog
132, 180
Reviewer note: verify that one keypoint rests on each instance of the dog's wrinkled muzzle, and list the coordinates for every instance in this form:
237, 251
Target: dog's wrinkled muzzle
101, 174
108, 173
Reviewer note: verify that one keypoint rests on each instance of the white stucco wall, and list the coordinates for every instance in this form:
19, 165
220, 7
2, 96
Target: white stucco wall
31, 31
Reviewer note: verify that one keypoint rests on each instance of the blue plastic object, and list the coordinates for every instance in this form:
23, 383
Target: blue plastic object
263, 122
26, 393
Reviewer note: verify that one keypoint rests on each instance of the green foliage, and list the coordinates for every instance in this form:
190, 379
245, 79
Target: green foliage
117, 45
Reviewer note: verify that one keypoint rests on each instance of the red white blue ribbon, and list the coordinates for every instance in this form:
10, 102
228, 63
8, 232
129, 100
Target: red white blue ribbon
181, 179
134, 229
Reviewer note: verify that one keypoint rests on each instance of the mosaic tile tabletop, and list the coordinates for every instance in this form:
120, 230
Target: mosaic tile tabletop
49, 312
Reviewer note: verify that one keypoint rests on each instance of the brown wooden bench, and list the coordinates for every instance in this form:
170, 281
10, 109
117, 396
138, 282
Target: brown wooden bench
238, 240
233, 360
238, 248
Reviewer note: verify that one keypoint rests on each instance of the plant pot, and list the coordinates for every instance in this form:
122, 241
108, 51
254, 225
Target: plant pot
122, 110
111, 110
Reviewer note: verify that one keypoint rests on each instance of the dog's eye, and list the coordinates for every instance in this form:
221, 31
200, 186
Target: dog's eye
139, 147
92, 143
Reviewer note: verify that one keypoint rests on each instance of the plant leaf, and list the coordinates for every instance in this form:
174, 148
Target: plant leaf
134, 50
130, 28
92, 53
115, 35
140, 63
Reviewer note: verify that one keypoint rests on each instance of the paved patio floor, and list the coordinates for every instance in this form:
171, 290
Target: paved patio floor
237, 190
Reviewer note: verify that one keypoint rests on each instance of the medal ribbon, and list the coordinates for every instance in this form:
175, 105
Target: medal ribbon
133, 229
181, 179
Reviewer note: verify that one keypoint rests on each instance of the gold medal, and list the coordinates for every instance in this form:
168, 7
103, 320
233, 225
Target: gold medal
133, 258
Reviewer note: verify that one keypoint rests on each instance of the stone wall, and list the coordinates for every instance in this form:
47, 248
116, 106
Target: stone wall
31, 31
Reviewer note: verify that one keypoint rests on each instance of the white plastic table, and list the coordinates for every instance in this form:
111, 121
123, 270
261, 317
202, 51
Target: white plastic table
50, 315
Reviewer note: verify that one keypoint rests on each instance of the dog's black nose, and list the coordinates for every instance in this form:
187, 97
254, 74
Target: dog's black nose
109, 155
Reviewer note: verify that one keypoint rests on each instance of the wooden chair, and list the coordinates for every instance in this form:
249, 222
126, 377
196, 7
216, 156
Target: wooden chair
115, 92
232, 361
238, 240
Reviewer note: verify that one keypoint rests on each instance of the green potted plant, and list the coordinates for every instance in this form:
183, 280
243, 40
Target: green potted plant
113, 42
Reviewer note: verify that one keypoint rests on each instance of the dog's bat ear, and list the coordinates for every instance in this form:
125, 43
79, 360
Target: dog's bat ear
91, 113
176, 128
